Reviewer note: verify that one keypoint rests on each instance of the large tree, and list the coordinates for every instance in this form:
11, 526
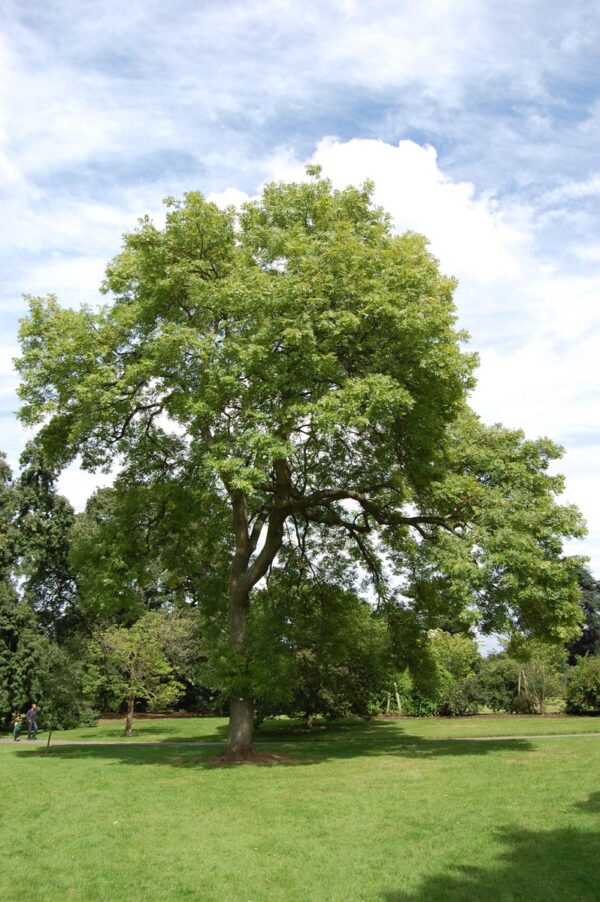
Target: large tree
296, 365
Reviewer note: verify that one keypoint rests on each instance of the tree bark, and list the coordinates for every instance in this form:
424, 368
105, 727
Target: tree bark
129, 718
241, 713
241, 725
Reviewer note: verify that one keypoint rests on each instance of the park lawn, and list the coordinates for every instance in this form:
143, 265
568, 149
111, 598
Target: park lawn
381, 811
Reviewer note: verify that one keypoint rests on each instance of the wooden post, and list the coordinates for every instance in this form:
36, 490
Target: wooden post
49, 736
397, 698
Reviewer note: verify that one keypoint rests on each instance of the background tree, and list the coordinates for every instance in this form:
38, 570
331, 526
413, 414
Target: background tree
439, 675
297, 366
21, 651
317, 649
37, 597
541, 673
41, 526
588, 642
134, 663
583, 686
457, 657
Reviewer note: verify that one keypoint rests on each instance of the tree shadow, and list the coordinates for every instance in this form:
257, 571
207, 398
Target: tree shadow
293, 749
592, 804
217, 734
534, 866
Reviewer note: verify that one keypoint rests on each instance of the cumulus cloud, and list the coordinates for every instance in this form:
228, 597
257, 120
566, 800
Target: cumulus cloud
471, 235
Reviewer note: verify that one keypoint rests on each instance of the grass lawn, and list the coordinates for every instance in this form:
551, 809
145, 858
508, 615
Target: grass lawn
394, 811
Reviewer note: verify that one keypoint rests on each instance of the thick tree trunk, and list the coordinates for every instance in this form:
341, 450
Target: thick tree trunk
129, 719
241, 712
241, 725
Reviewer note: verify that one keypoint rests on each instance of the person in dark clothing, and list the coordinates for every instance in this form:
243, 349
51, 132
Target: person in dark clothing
31, 718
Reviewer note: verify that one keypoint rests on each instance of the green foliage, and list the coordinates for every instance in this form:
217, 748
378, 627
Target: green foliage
583, 686
523, 679
58, 686
317, 650
442, 679
456, 653
140, 662
541, 673
34, 668
41, 526
461, 697
588, 642
140, 547
504, 564
21, 651
422, 698
498, 683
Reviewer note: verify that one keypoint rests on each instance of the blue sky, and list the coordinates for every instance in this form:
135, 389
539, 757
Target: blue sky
479, 122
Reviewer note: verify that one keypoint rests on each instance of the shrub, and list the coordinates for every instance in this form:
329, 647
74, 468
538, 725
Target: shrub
461, 697
583, 686
498, 683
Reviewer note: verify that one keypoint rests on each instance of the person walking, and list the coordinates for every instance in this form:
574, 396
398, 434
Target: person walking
18, 723
31, 718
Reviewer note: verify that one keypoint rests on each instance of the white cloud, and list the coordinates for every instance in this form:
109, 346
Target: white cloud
589, 253
469, 234
575, 190
78, 485
75, 280
231, 197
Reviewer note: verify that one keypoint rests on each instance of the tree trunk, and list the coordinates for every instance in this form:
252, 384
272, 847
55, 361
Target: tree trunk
241, 725
129, 719
241, 713
242, 577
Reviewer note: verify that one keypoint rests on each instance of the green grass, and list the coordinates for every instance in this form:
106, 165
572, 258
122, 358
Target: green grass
214, 729
391, 811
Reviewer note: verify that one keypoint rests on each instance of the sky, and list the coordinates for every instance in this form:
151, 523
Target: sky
478, 121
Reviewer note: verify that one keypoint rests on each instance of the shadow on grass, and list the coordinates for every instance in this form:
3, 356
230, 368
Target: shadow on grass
103, 734
341, 743
592, 804
533, 866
